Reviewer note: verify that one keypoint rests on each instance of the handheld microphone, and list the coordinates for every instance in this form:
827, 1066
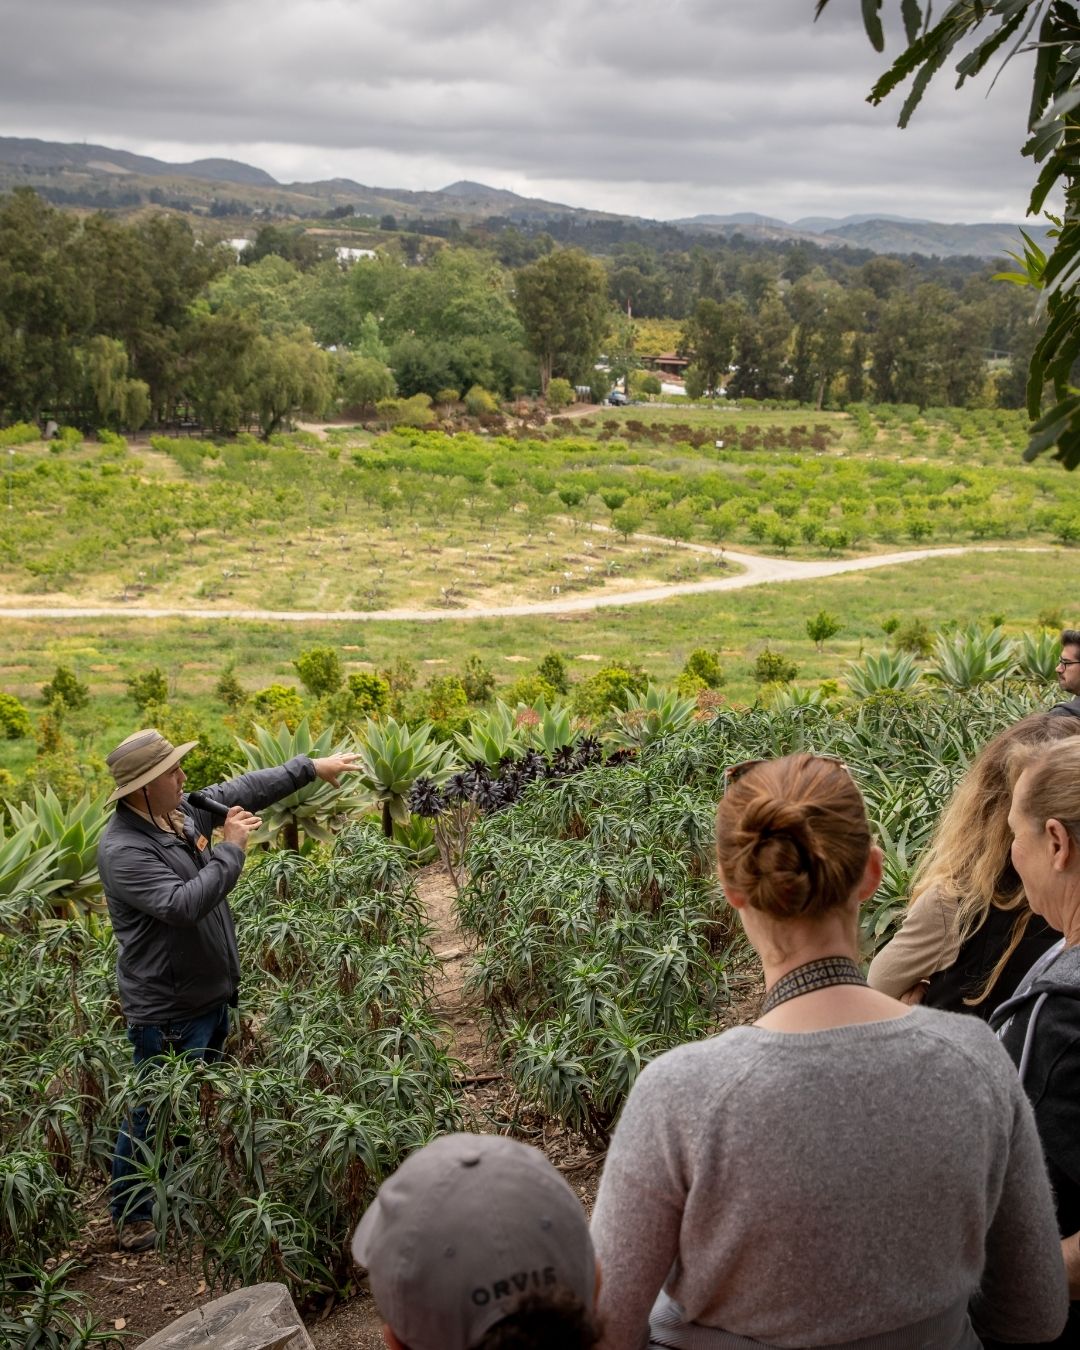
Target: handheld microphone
217, 809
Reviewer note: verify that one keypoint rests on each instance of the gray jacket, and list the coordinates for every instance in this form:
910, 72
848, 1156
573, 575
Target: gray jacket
167, 903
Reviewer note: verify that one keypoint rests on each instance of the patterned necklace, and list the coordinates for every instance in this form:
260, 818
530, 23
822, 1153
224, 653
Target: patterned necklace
820, 974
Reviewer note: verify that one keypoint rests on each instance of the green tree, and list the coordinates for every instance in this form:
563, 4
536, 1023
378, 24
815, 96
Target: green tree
761, 351
620, 350
320, 670
552, 668
149, 687
977, 32
219, 359
627, 521
478, 680
821, 627
820, 310
772, 668
703, 663
644, 384
14, 718
289, 375
64, 688
561, 301
608, 687
371, 691
118, 400
696, 382
276, 704
559, 395
709, 337
479, 402
229, 689
44, 305
363, 381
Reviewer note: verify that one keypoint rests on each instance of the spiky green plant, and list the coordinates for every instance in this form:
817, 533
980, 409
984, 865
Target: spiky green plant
648, 717
38, 1310
26, 867
971, 657
887, 670
493, 737
37, 1209
392, 758
318, 809
71, 834
1038, 655
552, 729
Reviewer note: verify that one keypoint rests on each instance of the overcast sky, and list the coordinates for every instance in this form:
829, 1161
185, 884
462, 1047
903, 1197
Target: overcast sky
660, 110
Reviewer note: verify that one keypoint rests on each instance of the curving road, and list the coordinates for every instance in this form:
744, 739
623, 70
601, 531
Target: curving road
757, 571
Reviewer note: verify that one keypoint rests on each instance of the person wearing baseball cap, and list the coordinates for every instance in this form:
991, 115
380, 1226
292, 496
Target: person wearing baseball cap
477, 1243
177, 966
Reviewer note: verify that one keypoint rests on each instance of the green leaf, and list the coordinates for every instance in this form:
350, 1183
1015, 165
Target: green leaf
913, 19
871, 12
1065, 104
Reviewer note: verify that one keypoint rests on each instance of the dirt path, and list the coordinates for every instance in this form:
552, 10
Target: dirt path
437, 894
758, 570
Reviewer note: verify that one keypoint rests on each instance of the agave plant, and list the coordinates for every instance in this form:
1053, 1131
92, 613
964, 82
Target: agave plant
649, 716
549, 730
392, 758
26, 867
493, 737
1038, 656
312, 811
887, 670
71, 836
971, 657
786, 696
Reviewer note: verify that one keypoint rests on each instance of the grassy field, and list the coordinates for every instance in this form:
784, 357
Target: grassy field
1016, 586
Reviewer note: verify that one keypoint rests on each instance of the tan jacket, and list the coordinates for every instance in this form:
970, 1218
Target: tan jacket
926, 943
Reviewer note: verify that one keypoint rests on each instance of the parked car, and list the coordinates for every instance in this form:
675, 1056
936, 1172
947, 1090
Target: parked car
617, 398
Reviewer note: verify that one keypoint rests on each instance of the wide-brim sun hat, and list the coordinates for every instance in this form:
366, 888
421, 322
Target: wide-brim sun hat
142, 757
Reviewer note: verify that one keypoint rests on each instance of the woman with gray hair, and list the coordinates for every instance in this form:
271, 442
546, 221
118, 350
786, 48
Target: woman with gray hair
1040, 1025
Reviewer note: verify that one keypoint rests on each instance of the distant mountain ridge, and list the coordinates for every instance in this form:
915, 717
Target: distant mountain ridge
100, 175
104, 159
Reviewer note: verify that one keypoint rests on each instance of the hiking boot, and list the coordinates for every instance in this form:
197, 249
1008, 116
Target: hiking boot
139, 1236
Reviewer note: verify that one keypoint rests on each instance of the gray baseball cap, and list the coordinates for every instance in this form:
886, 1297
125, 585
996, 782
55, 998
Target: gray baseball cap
465, 1227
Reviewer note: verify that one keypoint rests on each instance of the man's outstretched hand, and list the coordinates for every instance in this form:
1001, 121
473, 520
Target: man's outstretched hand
330, 769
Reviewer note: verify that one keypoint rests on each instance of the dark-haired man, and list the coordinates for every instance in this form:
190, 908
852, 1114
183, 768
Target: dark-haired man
1068, 674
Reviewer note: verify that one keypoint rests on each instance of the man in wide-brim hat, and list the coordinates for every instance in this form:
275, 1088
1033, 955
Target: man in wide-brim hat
177, 969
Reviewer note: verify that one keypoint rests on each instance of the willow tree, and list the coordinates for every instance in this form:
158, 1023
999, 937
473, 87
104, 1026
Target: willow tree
975, 33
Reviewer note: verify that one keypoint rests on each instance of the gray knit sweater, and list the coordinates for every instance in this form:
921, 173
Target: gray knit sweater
811, 1189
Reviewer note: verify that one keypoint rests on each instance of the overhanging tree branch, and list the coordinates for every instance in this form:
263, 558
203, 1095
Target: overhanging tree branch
1053, 124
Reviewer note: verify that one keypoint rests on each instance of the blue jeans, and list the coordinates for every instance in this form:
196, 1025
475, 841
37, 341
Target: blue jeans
201, 1037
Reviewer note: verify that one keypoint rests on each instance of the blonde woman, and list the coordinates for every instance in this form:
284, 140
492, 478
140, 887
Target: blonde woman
968, 935
848, 1171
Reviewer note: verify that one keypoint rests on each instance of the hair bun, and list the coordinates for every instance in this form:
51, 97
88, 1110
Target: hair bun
792, 836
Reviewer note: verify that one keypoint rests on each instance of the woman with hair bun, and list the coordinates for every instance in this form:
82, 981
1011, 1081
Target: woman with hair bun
847, 1171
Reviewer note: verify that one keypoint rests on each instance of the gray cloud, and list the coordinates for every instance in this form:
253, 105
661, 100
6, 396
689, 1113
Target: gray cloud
619, 104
